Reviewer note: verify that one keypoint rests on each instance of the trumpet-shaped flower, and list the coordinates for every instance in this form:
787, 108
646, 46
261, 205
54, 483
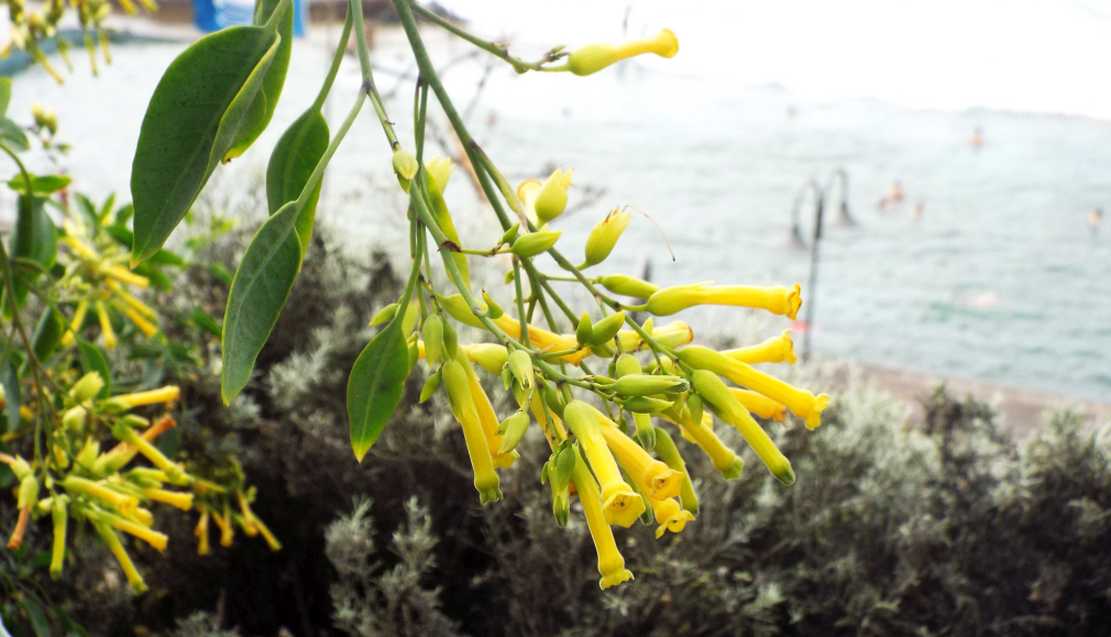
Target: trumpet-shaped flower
488, 417
777, 349
595, 57
655, 479
728, 463
458, 387
670, 516
622, 504
777, 300
551, 199
611, 565
760, 404
802, 403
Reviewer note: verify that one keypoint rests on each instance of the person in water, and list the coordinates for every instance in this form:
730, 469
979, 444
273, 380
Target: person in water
1095, 217
977, 140
894, 197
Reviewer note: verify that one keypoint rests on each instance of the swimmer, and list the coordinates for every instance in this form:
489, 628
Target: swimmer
977, 140
919, 210
1095, 217
896, 195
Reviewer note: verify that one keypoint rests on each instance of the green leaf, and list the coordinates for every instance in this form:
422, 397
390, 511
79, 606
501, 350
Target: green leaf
41, 185
264, 103
36, 617
258, 293
375, 386
5, 94
13, 135
88, 208
48, 333
93, 359
292, 162
194, 116
9, 378
34, 239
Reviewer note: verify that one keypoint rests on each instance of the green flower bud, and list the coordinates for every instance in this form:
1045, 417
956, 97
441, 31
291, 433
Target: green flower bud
551, 201
604, 237
510, 235
433, 334
405, 166
595, 57
604, 330
520, 365
86, 388
431, 384
493, 310
489, 356
649, 384
647, 405
626, 285
439, 173
584, 331
626, 364
553, 398
533, 243
512, 430
74, 418
384, 315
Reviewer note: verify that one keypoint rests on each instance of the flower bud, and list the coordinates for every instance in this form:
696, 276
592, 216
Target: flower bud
431, 384
74, 418
551, 200
646, 405
626, 285
405, 166
533, 243
553, 399
604, 237
595, 57
520, 365
557, 472
604, 330
493, 310
58, 515
384, 315
489, 356
584, 331
86, 388
433, 335
451, 341
512, 429
510, 235
439, 173
458, 387
649, 384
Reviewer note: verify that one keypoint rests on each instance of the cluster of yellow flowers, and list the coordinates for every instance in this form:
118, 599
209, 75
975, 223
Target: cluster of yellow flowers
608, 451
77, 480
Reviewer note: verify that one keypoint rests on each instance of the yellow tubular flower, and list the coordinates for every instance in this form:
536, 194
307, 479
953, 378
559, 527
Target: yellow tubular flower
595, 57
144, 533
75, 325
656, 479
489, 419
167, 394
777, 300
777, 349
760, 404
131, 301
545, 340
603, 237
673, 334
527, 193
123, 275
621, 503
539, 411
112, 541
121, 502
551, 200
227, 531
59, 516
107, 333
670, 516
486, 480
728, 464
714, 391
79, 247
201, 532
176, 499
611, 565
669, 453
145, 326
802, 403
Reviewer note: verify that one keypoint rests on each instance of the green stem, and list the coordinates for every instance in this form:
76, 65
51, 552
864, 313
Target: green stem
318, 171
337, 58
356, 8
497, 50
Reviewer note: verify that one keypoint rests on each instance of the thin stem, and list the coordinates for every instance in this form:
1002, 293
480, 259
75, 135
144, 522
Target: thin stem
318, 171
356, 8
337, 58
497, 50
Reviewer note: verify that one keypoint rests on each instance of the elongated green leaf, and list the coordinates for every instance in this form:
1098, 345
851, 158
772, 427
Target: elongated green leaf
375, 386
12, 134
5, 94
93, 359
193, 118
40, 184
35, 239
293, 160
258, 293
48, 333
264, 103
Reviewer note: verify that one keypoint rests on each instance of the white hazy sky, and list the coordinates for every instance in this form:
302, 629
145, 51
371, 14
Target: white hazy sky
1036, 55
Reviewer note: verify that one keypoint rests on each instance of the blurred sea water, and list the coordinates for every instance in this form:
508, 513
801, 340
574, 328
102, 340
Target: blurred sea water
1001, 277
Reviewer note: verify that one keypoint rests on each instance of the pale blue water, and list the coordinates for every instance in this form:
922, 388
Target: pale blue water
1001, 279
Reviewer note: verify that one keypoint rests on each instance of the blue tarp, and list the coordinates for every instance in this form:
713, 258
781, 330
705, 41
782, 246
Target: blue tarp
211, 15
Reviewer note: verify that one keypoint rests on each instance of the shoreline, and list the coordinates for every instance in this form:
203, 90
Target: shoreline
1023, 411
